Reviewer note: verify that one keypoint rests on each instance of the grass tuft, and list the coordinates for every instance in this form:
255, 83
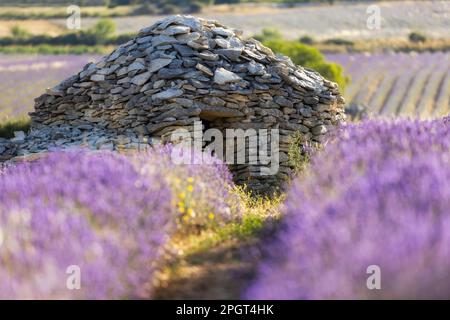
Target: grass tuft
7, 128
257, 213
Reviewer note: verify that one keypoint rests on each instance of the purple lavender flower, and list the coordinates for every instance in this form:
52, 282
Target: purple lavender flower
378, 195
95, 211
202, 189
111, 215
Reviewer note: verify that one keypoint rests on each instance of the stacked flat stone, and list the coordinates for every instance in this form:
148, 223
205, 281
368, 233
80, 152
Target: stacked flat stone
180, 70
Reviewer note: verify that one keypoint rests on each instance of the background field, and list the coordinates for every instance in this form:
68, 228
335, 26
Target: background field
406, 84
24, 78
385, 79
346, 20
390, 84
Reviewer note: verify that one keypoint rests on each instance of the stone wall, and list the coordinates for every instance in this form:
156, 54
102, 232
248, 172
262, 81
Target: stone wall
178, 71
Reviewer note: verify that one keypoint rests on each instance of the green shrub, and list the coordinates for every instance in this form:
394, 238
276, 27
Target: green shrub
7, 128
101, 31
310, 57
299, 53
146, 8
195, 7
268, 34
18, 32
417, 37
298, 157
121, 38
306, 40
339, 42
169, 8
333, 72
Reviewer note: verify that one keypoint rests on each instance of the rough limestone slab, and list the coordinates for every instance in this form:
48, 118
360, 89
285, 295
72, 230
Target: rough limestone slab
140, 79
157, 64
168, 94
174, 30
222, 76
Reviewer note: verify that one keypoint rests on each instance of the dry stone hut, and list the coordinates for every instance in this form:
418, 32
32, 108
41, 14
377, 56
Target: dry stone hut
179, 71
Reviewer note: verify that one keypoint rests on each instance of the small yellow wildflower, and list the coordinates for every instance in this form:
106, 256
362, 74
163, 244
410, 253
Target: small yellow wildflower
191, 212
185, 218
181, 209
182, 195
190, 179
190, 188
211, 216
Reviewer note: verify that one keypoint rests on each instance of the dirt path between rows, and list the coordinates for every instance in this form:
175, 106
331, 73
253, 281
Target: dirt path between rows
219, 273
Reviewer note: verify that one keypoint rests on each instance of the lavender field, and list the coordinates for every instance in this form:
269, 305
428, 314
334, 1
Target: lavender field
110, 215
100, 199
23, 78
342, 19
406, 84
377, 195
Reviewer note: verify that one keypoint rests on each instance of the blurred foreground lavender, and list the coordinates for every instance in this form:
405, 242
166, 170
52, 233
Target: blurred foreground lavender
201, 190
379, 195
112, 215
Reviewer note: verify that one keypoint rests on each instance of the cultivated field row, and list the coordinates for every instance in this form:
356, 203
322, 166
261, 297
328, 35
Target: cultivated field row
388, 84
399, 84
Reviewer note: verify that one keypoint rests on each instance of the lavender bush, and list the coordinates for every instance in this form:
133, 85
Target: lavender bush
202, 189
378, 195
109, 214
74, 208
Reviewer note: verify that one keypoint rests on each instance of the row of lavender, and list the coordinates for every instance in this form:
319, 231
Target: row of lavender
24, 78
96, 225
371, 219
378, 196
390, 84
406, 84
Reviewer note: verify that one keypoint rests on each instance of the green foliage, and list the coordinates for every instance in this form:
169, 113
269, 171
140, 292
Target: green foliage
7, 128
298, 158
101, 31
197, 6
301, 54
146, 8
19, 32
104, 28
306, 40
333, 72
310, 57
258, 212
417, 37
339, 42
269, 34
